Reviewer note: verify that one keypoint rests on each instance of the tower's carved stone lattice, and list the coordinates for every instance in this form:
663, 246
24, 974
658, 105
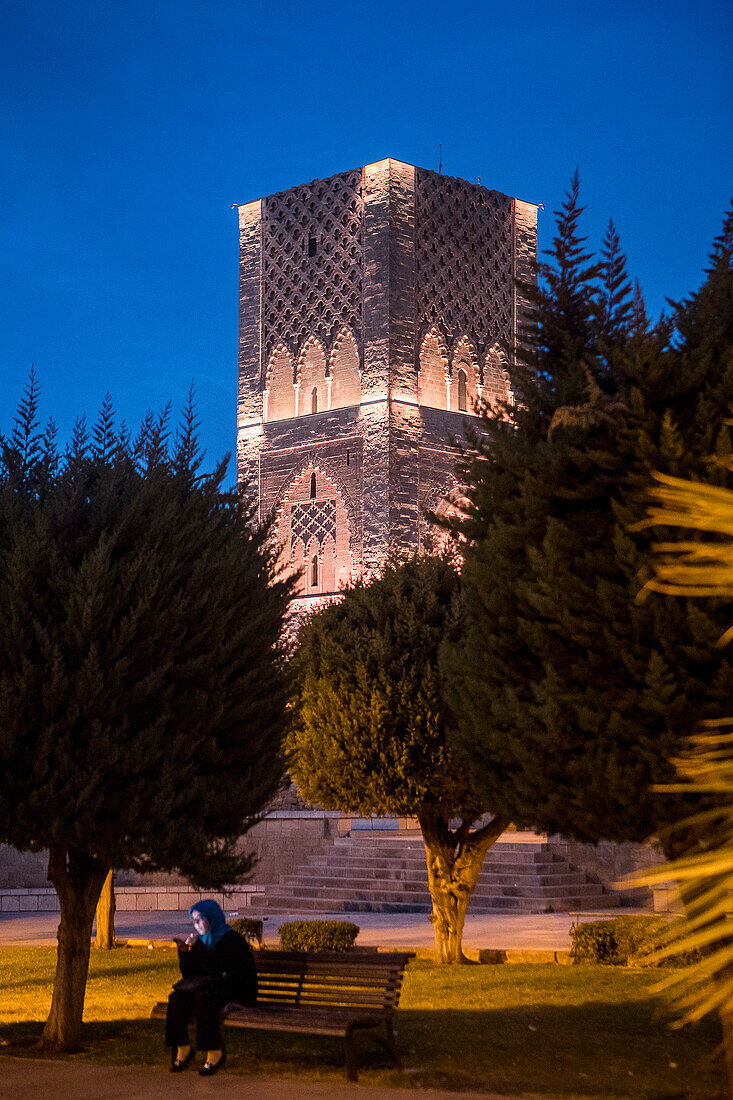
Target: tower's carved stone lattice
313, 519
312, 262
377, 308
463, 258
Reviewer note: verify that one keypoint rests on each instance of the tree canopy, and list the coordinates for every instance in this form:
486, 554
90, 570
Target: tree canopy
142, 683
372, 732
571, 695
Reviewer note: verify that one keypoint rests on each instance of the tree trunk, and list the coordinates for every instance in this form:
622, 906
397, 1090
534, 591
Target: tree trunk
77, 878
106, 908
454, 859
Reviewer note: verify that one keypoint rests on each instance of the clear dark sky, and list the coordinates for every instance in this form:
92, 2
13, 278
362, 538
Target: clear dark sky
128, 130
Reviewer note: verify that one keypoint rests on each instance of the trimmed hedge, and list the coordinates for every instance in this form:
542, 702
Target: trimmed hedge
318, 935
626, 941
248, 927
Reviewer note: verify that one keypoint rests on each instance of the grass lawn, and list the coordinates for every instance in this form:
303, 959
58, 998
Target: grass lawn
552, 1031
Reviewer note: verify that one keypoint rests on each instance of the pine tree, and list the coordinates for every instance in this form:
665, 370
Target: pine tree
142, 681
571, 696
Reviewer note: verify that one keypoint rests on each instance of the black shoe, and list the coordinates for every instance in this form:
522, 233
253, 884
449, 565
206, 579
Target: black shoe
208, 1069
178, 1065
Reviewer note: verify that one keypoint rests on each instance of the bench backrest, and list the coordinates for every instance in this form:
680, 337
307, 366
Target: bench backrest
330, 979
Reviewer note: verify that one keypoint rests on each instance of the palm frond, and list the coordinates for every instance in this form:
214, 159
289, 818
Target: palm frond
700, 567
693, 567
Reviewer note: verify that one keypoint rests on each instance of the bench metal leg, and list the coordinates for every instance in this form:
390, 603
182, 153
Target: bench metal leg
352, 1059
353, 1035
392, 1045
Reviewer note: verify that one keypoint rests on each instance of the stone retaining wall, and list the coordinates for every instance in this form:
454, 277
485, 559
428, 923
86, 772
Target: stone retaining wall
139, 898
609, 863
281, 844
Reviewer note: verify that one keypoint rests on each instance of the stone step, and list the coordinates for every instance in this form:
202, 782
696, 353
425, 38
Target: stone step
310, 876
520, 854
387, 873
314, 905
366, 893
351, 864
404, 840
360, 866
277, 904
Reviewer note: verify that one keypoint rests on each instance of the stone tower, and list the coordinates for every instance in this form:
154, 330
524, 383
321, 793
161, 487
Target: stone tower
374, 307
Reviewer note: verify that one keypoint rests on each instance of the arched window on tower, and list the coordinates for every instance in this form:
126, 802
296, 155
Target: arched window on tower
314, 571
462, 407
314, 399
313, 485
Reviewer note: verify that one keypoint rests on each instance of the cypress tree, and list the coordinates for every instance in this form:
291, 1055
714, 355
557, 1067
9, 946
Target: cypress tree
142, 682
372, 729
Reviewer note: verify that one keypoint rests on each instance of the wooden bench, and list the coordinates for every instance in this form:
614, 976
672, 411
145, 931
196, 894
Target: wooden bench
324, 993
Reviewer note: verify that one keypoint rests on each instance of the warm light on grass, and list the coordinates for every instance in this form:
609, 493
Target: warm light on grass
549, 1031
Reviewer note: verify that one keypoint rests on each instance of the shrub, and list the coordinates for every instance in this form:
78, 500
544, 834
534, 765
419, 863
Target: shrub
626, 941
318, 935
248, 927
594, 942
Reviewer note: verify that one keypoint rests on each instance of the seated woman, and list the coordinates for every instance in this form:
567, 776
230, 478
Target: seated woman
217, 968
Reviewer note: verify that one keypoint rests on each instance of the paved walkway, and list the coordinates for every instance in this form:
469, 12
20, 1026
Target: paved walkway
504, 931
29, 1078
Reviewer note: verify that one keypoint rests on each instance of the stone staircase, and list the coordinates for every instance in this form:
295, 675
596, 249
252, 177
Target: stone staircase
386, 873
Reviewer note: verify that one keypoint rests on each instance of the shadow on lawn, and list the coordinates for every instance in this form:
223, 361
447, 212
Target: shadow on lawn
598, 1050
98, 973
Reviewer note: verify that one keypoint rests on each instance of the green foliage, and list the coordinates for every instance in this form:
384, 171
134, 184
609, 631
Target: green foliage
142, 683
249, 927
370, 734
627, 941
571, 697
372, 729
318, 935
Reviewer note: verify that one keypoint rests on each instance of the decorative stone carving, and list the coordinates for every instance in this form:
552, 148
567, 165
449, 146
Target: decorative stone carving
463, 258
312, 294
313, 519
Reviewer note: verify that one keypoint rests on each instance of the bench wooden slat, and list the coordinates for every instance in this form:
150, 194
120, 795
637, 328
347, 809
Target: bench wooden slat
274, 1019
347, 980
326, 999
312, 973
347, 958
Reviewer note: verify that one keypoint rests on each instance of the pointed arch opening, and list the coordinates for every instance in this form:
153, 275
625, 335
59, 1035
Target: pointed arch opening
465, 395
311, 373
279, 384
496, 379
344, 371
313, 522
462, 390
431, 386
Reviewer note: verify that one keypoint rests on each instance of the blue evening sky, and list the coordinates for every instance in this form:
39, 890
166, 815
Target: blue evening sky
129, 129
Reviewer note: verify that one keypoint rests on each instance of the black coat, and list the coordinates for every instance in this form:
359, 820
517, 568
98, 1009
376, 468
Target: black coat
229, 963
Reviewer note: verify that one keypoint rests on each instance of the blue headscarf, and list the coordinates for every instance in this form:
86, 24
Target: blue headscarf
212, 912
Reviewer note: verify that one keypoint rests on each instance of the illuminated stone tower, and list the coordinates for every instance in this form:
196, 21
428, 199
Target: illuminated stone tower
374, 306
